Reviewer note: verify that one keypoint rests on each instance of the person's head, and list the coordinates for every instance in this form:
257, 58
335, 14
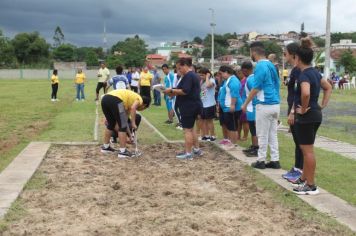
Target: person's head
165, 69
247, 68
145, 69
203, 71
119, 70
55, 72
291, 52
272, 57
102, 65
226, 71
239, 74
79, 70
305, 54
184, 65
257, 51
146, 103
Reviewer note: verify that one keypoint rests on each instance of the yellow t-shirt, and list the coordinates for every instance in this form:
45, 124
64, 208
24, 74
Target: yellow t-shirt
103, 74
127, 96
54, 79
145, 78
285, 73
79, 78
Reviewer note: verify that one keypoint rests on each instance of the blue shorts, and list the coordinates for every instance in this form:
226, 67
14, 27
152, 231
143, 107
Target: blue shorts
169, 103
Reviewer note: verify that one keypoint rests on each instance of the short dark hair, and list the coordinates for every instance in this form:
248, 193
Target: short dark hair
55, 71
119, 70
204, 70
258, 47
227, 69
146, 101
185, 61
165, 66
292, 48
305, 51
247, 65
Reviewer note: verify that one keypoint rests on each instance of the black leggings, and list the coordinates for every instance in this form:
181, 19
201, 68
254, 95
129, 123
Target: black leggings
298, 154
145, 91
54, 91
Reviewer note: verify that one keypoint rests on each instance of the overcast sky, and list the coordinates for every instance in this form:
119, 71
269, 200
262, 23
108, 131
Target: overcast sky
166, 20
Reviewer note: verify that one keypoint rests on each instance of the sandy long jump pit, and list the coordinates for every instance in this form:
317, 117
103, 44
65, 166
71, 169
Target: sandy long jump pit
88, 193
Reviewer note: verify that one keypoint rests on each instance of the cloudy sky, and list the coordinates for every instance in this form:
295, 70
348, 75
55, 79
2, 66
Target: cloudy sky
166, 20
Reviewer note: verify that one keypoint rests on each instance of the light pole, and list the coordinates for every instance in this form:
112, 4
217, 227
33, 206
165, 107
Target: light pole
327, 41
212, 24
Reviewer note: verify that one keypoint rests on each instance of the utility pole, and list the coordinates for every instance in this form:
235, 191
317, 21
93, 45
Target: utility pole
105, 50
212, 24
327, 41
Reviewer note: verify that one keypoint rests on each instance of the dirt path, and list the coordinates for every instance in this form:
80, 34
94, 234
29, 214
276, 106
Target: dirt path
90, 194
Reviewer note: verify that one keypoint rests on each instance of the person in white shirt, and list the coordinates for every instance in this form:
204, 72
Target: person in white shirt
103, 76
134, 80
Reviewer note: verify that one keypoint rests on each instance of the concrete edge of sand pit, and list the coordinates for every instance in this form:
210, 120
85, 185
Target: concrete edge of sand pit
324, 202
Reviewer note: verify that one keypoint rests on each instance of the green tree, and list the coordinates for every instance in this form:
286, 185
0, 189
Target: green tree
244, 50
7, 52
58, 37
132, 51
64, 52
348, 61
218, 51
273, 47
113, 61
320, 42
198, 40
91, 58
30, 48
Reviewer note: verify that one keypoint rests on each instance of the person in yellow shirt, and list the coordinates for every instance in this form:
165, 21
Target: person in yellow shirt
145, 82
285, 76
116, 106
79, 83
54, 82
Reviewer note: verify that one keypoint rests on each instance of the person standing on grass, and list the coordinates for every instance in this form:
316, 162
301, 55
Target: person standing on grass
189, 104
135, 77
266, 88
230, 103
290, 56
168, 83
156, 94
145, 82
54, 82
103, 76
243, 124
247, 70
308, 114
79, 83
207, 96
116, 106
119, 81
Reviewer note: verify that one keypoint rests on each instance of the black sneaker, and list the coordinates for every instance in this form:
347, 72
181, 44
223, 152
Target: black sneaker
168, 122
249, 149
107, 150
212, 138
273, 165
259, 165
252, 153
125, 154
205, 138
306, 189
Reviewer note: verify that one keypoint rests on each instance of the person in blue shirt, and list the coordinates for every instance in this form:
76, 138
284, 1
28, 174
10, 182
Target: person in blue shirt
129, 75
168, 83
308, 114
207, 96
266, 89
189, 104
247, 70
119, 81
230, 103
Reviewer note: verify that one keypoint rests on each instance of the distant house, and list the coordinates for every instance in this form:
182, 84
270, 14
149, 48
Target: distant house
227, 60
265, 37
155, 60
167, 49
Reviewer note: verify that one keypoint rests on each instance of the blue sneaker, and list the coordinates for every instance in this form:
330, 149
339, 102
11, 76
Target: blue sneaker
184, 156
292, 174
288, 173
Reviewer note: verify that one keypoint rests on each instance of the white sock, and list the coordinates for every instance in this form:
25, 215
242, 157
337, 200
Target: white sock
106, 145
122, 149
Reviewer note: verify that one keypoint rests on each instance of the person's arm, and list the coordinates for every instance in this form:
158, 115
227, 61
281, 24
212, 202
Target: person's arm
174, 92
208, 82
291, 116
304, 97
327, 88
252, 94
133, 110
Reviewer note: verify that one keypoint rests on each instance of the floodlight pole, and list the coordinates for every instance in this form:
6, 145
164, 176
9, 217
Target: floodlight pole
327, 41
212, 24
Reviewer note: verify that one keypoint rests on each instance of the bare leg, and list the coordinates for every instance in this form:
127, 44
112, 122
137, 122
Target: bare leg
309, 163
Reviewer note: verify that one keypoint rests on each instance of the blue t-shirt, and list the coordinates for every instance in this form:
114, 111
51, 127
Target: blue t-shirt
190, 103
292, 85
207, 95
230, 89
129, 77
119, 82
251, 107
267, 82
168, 83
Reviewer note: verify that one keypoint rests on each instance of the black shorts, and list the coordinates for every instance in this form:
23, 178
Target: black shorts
231, 119
252, 126
100, 85
114, 111
208, 113
187, 121
306, 132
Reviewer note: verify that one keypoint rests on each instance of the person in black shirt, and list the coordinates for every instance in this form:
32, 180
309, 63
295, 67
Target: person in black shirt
188, 102
308, 113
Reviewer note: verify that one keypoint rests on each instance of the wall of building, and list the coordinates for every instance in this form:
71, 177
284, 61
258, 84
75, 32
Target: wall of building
46, 74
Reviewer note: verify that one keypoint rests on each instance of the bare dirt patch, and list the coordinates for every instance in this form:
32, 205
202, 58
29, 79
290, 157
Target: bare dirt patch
87, 193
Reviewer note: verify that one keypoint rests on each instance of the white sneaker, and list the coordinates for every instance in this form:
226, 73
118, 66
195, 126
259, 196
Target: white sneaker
53, 100
77, 99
